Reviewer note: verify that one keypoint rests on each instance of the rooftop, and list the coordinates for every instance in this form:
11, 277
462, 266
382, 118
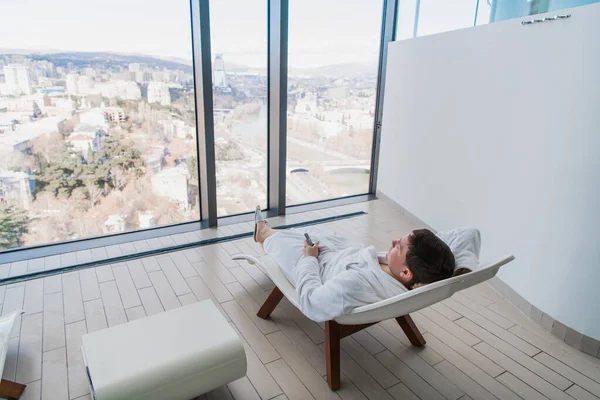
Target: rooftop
4, 174
29, 131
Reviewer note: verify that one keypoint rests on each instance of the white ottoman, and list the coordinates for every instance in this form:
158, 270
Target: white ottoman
178, 354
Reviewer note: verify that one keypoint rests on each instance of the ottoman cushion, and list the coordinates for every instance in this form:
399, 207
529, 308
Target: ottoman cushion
178, 354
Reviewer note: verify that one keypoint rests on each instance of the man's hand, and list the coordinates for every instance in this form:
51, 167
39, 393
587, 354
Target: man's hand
311, 251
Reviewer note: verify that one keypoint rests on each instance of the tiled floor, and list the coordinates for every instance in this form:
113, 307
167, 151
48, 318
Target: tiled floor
478, 345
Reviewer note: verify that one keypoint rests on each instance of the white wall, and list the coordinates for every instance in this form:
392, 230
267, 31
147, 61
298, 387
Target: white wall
498, 127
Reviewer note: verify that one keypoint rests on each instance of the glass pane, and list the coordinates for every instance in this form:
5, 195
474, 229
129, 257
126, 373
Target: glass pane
500, 10
97, 119
405, 24
437, 16
484, 7
239, 46
332, 82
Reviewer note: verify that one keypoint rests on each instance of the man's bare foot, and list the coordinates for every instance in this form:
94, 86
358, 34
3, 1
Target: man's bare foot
263, 231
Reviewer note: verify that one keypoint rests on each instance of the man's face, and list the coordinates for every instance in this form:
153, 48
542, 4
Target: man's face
396, 257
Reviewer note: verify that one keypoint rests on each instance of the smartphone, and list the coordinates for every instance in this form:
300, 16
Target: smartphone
308, 240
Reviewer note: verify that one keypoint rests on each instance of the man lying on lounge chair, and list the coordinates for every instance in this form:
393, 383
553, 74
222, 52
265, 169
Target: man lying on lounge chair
335, 275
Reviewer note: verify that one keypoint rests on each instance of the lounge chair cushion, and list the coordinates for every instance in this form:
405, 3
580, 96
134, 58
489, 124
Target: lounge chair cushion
465, 244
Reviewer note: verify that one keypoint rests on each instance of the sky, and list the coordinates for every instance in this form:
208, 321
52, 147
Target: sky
341, 30
321, 32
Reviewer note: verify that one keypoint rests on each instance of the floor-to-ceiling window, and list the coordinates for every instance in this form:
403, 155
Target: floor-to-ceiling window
332, 85
102, 109
239, 63
97, 119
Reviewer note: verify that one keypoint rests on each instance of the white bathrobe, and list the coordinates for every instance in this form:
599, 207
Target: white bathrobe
345, 276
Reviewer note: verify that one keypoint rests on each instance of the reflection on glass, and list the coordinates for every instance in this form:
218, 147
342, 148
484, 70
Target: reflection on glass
437, 16
97, 120
332, 79
483, 12
406, 17
239, 46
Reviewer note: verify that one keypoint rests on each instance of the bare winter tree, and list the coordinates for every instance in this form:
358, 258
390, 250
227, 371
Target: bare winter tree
119, 177
94, 192
48, 146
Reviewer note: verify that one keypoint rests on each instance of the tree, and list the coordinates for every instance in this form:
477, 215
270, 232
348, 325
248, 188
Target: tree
90, 155
79, 198
17, 161
52, 222
119, 177
76, 101
179, 149
94, 192
13, 224
36, 110
48, 147
116, 151
62, 174
192, 166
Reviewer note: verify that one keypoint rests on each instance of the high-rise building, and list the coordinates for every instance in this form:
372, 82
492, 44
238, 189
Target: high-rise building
44, 69
173, 183
134, 67
91, 72
142, 76
114, 115
85, 84
18, 79
128, 90
158, 92
161, 75
72, 83
219, 78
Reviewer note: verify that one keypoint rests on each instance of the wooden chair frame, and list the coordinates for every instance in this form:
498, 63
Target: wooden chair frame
335, 332
10, 389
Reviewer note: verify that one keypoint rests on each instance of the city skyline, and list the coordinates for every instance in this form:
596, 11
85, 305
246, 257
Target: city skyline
229, 65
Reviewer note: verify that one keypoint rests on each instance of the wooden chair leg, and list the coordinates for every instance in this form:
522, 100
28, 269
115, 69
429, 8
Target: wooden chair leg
269, 305
10, 389
332, 353
410, 329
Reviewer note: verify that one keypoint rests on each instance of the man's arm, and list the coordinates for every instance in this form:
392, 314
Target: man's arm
317, 300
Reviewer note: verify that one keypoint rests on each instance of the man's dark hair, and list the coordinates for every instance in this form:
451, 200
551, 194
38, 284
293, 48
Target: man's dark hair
429, 258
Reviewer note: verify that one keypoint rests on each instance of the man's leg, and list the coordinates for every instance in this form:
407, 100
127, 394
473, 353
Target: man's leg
285, 246
263, 232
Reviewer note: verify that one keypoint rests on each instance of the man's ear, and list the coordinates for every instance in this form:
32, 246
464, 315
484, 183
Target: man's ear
407, 273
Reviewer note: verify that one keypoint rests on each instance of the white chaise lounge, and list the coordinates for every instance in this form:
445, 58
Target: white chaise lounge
8, 389
176, 355
398, 307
